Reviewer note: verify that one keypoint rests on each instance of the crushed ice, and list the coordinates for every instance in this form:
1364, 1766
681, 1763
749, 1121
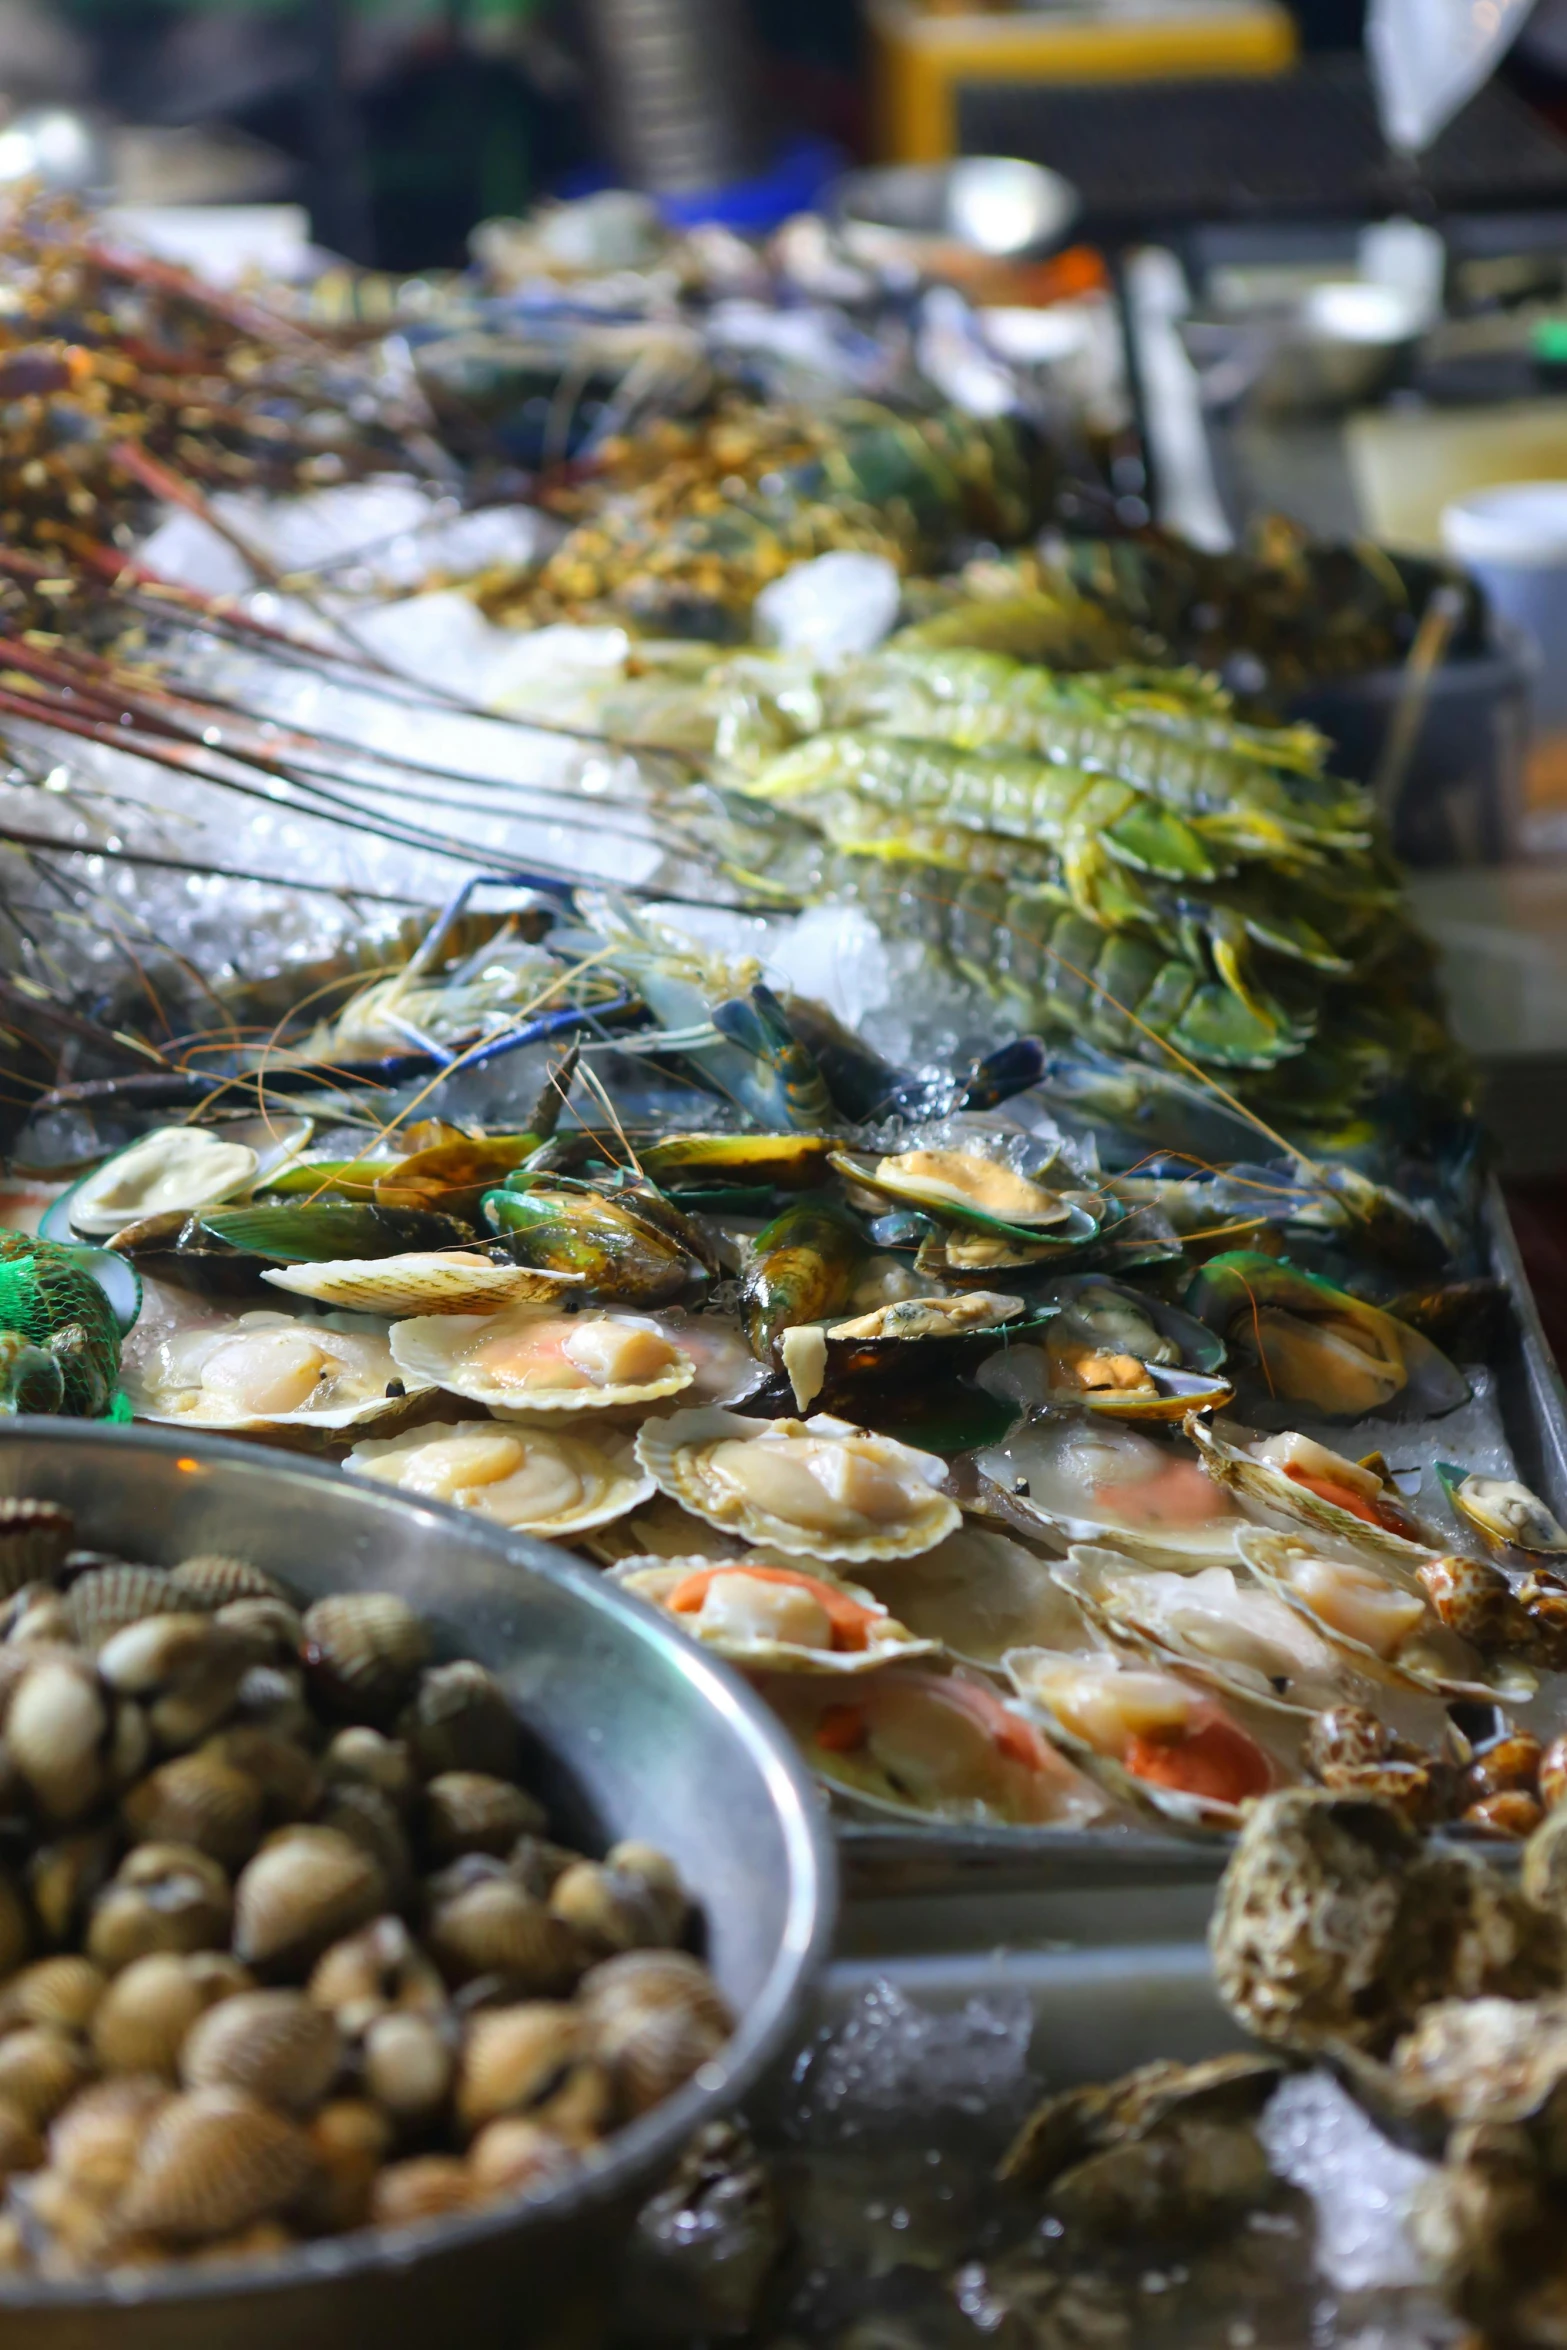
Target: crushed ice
1317, 2138
891, 2058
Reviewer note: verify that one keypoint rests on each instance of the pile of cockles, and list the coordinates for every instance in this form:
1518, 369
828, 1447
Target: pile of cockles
285, 1947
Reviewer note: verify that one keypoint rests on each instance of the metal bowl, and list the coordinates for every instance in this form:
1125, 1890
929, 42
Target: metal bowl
937, 215
638, 1733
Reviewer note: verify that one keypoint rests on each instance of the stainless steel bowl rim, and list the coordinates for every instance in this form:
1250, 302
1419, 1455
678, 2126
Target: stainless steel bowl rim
762, 2034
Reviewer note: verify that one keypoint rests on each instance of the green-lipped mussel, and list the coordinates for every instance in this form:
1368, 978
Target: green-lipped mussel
616, 1251
1312, 1344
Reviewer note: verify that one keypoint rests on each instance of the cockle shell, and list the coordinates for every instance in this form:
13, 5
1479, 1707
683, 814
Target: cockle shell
278, 2045
34, 1538
1148, 1735
1297, 1478
531, 1479
175, 1167
492, 1927
776, 1619
364, 1651
201, 1800
164, 1897
61, 1992
1219, 1626
407, 2064
105, 1599
361, 1757
812, 1489
426, 2186
936, 1745
544, 1362
376, 1970
1371, 1610
95, 2142
149, 2008
55, 1727
655, 2017
266, 1370
516, 2156
211, 1579
1096, 1480
516, 2059
211, 2162
304, 1889
423, 1282
460, 1719
617, 1905
468, 1811
40, 2071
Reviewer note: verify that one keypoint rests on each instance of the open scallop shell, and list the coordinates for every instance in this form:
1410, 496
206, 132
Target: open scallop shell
1509, 1519
533, 1480
1370, 1609
979, 1594
1273, 1470
1236, 1634
1150, 1736
421, 1282
266, 1370
909, 1742
536, 1361
815, 1488
1094, 1479
778, 1619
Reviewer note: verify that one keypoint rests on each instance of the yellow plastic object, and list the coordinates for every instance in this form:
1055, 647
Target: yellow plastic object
920, 59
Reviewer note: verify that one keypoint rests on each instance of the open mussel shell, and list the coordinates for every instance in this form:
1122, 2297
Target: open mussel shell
1510, 1520
699, 1162
1091, 1478
772, 1618
1226, 1629
453, 1177
1294, 1477
908, 1742
272, 1371
422, 1281
959, 1255
531, 1359
533, 1480
964, 1185
978, 1594
817, 1489
1152, 1737
176, 1168
324, 1231
621, 1255
1316, 1345
1374, 1610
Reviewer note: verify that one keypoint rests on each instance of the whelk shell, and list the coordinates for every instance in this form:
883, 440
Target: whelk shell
544, 1362
779, 1619
423, 1282
811, 1489
212, 2162
277, 2045
530, 1479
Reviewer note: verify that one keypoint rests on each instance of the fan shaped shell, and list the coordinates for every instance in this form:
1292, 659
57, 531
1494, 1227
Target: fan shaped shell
814, 1488
772, 1617
421, 1282
534, 1480
533, 1361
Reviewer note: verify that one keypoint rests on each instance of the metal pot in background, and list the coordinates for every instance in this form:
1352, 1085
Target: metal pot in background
1343, 345
676, 83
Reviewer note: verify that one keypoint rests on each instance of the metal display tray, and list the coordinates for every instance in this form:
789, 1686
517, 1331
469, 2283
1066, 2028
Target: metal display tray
911, 1886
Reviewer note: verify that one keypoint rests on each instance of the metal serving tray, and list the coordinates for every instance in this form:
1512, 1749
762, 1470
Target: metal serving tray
912, 1886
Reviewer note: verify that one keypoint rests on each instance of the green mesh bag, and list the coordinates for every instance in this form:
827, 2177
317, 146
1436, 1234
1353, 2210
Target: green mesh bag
55, 1307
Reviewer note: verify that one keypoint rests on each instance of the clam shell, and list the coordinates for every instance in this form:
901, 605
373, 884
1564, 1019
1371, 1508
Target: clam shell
426, 2186
407, 2065
266, 1370
513, 2056
34, 1538
197, 1799
533, 1480
744, 1632
364, 1651
492, 1927
105, 1599
41, 2071
535, 1361
460, 1719
1508, 1517
655, 2017
468, 1811
55, 1727
1229, 1455
1432, 1657
910, 1743
978, 1594
165, 1897
173, 1168
62, 1993
1041, 1680
379, 1968
1217, 1625
423, 1282
1093, 1480
213, 1580
150, 2008
277, 2045
303, 1890
212, 2162
686, 1455
95, 2143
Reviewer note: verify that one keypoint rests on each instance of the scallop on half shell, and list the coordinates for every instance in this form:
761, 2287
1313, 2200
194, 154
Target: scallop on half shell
978, 1594
816, 1489
533, 1480
1228, 1630
422, 1282
1094, 1479
533, 1361
1296, 1477
1150, 1736
774, 1618
1370, 1608
266, 1370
